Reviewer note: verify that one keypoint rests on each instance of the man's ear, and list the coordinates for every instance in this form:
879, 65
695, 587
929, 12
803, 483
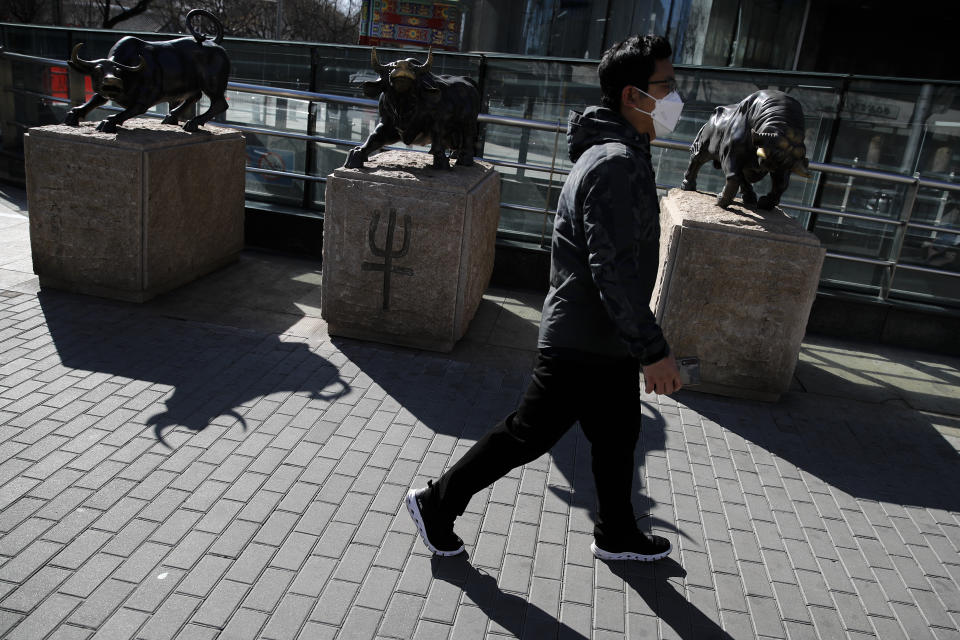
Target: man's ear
626, 96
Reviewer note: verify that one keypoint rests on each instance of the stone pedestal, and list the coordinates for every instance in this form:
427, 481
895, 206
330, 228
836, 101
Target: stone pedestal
408, 250
132, 214
735, 288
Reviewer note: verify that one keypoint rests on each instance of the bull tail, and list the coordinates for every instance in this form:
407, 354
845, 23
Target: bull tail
200, 36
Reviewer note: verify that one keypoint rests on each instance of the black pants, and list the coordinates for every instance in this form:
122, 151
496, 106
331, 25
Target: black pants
603, 394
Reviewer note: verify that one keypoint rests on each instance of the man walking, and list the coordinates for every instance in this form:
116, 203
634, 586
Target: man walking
597, 330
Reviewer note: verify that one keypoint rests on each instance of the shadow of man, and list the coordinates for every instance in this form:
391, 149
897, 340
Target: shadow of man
657, 583
515, 615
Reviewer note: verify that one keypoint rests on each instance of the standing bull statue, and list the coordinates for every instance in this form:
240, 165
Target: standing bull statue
138, 75
760, 135
417, 107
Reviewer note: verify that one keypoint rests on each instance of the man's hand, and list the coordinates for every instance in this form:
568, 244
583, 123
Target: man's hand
662, 377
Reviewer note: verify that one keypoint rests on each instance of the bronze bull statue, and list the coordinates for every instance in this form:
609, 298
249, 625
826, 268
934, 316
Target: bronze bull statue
763, 134
138, 75
419, 107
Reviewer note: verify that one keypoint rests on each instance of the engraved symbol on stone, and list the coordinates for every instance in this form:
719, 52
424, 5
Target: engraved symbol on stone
387, 252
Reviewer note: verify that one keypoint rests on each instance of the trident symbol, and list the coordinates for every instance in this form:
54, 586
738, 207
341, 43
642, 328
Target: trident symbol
387, 253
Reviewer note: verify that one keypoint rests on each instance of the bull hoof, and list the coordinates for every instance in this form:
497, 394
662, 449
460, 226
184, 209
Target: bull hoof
191, 125
441, 162
465, 162
689, 185
750, 200
355, 159
170, 120
766, 202
106, 126
724, 202
72, 119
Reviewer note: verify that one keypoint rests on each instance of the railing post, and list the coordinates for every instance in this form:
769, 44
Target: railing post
76, 87
524, 139
310, 159
905, 214
553, 167
847, 189
944, 198
484, 105
8, 105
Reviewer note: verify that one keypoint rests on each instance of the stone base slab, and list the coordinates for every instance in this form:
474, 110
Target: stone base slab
735, 289
131, 214
407, 249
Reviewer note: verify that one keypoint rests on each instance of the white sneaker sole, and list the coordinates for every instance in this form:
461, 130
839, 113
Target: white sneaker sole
628, 555
414, 511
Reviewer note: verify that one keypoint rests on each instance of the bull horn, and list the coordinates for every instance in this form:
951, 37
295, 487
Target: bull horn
139, 67
761, 153
80, 63
425, 67
375, 62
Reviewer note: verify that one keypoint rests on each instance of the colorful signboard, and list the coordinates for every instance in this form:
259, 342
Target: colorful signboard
423, 23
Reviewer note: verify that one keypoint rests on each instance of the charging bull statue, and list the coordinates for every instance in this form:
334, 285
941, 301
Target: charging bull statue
418, 107
760, 135
138, 75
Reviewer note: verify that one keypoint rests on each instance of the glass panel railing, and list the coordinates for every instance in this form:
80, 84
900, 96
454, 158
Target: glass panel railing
898, 127
272, 64
857, 277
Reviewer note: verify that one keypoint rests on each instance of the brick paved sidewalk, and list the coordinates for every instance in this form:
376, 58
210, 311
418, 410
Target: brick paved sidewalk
163, 478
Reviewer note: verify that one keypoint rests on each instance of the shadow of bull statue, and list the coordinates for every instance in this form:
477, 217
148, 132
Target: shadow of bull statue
137, 75
186, 375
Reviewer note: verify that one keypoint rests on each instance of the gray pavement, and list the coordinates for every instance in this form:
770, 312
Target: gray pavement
212, 464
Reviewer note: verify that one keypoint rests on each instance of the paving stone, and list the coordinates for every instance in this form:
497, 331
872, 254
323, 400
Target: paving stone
887, 628
769, 510
101, 604
168, 620
44, 618
291, 614
24, 534
18, 569
218, 607
155, 588
29, 594
912, 621
932, 609
335, 601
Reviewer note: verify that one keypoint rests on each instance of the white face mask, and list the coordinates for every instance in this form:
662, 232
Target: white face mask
666, 112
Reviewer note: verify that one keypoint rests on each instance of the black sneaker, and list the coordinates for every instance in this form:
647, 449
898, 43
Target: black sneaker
638, 546
437, 532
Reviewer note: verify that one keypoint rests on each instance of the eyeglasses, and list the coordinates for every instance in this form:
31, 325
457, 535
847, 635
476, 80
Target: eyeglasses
670, 82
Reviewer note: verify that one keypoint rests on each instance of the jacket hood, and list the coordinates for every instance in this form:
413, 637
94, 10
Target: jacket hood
600, 125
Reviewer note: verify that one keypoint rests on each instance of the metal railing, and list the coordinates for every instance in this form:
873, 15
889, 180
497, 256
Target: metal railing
901, 224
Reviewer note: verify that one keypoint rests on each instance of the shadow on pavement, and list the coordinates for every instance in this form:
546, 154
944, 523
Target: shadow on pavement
876, 373
515, 615
192, 373
466, 399
883, 452
653, 583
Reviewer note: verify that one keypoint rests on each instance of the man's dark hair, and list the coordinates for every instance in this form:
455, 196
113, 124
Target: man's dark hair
630, 62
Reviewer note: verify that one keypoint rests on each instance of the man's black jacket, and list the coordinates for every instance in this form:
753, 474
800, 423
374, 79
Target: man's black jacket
605, 248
